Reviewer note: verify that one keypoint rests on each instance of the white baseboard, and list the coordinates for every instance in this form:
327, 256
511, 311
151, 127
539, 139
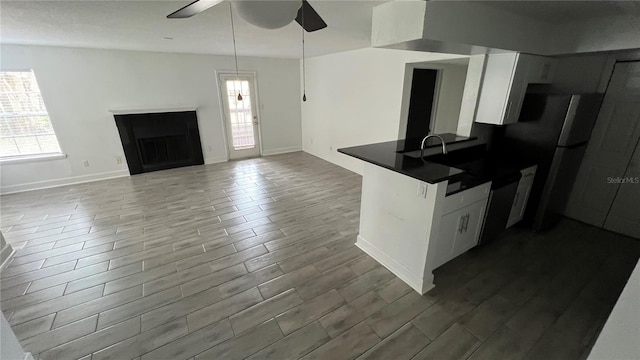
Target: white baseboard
418, 284
283, 150
38, 185
215, 160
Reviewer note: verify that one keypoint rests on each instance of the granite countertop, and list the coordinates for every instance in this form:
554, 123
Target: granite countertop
390, 155
464, 168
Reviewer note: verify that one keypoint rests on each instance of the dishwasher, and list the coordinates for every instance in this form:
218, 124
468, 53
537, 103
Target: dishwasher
503, 192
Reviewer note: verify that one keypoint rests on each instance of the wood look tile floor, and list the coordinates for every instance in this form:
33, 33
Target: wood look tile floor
255, 259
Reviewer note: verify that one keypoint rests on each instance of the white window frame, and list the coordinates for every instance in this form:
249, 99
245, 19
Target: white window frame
40, 156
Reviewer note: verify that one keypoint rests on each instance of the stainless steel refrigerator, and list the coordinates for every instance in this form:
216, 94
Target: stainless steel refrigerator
553, 130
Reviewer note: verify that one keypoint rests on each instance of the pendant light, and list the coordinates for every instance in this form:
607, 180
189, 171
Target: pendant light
235, 52
304, 80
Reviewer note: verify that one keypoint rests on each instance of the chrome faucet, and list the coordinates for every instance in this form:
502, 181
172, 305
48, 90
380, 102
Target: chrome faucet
444, 145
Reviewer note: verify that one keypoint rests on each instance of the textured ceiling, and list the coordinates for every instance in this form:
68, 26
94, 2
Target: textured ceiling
142, 25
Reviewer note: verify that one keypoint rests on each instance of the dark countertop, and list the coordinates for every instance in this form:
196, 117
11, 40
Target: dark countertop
463, 168
389, 155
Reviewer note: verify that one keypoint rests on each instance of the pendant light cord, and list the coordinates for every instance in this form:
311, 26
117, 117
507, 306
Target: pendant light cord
304, 71
233, 36
235, 52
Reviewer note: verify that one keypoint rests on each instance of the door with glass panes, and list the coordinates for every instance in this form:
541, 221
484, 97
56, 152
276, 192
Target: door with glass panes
241, 117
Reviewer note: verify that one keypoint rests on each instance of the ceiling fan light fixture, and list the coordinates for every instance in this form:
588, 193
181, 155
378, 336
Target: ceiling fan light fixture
271, 14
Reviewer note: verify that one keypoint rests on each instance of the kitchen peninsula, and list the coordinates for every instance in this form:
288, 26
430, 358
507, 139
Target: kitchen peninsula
418, 213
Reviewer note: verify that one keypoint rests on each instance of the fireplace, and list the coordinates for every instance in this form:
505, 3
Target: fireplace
158, 141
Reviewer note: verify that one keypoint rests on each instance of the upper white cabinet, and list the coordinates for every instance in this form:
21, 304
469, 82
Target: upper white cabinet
504, 84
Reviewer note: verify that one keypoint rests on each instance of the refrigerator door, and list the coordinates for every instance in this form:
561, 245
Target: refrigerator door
535, 136
580, 118
555, 195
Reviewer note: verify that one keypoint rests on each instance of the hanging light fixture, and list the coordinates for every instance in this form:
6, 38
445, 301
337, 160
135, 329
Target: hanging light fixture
304, 80
235, 52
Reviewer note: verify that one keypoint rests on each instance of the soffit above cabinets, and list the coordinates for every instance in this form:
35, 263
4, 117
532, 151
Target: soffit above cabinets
537, 27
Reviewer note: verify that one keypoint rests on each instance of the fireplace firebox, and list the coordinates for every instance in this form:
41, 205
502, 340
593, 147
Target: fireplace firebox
159, 141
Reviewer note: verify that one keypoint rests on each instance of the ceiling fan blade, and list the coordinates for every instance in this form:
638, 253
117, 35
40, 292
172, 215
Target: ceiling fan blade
194, 8
312, 20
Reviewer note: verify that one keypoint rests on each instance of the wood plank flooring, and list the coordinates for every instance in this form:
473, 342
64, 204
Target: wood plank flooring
255, 259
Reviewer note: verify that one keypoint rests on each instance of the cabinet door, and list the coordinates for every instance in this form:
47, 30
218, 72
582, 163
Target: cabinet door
519, 85
472, 218
495, 90
519, 203
450, 228
522, 196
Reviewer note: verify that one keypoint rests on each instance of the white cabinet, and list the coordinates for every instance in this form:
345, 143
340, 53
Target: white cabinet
504, 84
522, 196
460, 228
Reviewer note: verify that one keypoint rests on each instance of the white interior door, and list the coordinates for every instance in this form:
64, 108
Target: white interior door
241, 116
624, 216
610, 148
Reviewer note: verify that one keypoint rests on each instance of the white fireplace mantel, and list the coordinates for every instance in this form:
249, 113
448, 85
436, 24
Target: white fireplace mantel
155, 110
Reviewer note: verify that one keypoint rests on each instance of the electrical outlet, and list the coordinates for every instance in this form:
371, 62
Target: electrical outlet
85, 163
118, 159
422, 190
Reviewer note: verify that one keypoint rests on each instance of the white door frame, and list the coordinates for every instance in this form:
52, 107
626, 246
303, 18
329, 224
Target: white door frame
223, 116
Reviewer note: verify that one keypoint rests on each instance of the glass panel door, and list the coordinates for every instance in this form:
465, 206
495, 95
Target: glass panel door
241, 118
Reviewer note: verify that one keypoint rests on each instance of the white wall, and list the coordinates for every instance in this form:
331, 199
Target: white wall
448, 98
354, 98
80, 86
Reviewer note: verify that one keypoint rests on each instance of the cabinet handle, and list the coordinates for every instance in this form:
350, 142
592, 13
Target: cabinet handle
460, 224
466, 222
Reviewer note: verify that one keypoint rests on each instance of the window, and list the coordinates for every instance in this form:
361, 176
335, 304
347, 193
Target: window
25, 127
240, 114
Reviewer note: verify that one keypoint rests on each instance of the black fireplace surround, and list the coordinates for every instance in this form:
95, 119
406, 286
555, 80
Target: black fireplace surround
158, 141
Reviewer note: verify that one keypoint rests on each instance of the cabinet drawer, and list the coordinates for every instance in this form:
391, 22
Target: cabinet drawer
464, 198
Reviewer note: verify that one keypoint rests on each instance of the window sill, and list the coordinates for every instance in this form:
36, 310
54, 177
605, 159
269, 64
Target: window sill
31, 158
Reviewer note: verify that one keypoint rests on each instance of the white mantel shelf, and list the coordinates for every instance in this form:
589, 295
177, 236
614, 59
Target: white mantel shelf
152, 111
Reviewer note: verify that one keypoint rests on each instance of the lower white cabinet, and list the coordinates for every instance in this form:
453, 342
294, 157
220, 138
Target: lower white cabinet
522, 196
459, 231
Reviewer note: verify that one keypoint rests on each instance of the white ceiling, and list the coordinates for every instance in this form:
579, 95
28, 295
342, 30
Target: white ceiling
142, 25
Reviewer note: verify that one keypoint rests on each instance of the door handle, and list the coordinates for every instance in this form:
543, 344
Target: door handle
460, 224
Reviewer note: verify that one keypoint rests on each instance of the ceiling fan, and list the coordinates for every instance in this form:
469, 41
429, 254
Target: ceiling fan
265, 14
